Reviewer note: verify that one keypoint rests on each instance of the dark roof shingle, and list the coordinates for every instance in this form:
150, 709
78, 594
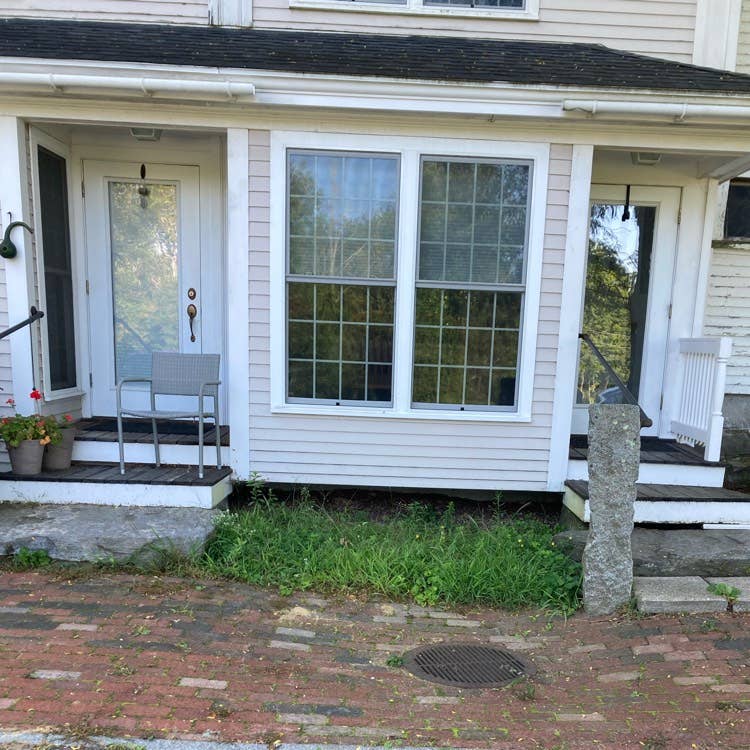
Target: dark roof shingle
380, 55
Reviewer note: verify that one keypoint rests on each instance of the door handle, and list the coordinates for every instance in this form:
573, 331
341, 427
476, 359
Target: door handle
192, 311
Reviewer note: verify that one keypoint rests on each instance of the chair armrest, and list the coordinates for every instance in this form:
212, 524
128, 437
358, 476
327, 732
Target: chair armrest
122, 382
206, 384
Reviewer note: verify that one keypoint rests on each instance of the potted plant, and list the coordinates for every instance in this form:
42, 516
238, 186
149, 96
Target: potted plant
59, 454
26, 438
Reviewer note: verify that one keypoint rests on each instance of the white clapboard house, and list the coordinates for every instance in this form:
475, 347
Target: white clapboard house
392, 220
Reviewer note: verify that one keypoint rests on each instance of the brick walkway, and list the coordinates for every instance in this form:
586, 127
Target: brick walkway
156, 657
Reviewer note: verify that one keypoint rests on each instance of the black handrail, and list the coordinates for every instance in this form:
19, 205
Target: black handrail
34, 315
628, 396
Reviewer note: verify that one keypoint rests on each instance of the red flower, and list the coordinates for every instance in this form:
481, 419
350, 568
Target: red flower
5, 420
10, 402
35, 395
68, 418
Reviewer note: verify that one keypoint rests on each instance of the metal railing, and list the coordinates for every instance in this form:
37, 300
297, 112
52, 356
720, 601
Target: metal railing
34, 315
626, 394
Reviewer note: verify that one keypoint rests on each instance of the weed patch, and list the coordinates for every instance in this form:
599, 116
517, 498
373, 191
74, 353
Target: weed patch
418, 553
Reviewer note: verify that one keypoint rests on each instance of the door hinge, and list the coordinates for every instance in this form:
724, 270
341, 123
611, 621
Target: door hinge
679, 216
88, 288
83, 189
669, 311
91, 380
661, 402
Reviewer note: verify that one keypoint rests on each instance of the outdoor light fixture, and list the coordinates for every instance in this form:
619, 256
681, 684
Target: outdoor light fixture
645, 158
145, 134
7, 247
143, 189
626, 210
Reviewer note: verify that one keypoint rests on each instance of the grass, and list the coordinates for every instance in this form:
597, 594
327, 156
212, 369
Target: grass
417, 553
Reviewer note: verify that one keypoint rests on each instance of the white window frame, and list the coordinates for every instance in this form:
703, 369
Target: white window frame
417, 8
38, 138
410, 149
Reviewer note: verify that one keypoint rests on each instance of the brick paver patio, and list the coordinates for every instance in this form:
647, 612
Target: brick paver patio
161, 657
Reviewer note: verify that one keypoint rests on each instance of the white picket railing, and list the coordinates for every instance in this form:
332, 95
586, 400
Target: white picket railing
703, 377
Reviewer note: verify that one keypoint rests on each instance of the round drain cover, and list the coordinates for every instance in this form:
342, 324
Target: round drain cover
466, 665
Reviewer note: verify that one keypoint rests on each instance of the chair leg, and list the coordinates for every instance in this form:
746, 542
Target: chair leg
200, 446
218, 441
156, 443
120, 442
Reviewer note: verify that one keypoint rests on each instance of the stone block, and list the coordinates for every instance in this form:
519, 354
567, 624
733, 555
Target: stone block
614, 456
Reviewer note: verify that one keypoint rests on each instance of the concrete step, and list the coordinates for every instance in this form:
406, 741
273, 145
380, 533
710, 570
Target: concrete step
80, 532
677, 552
671, 504
687, 594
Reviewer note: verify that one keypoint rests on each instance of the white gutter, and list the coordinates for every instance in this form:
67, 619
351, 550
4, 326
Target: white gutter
677, 112
182, 88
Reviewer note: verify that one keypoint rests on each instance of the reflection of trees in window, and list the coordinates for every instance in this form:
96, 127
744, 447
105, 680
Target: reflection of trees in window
617, 279
144, 274
341, 227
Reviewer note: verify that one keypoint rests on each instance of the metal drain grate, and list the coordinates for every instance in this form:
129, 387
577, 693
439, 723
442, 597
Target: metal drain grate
466, 665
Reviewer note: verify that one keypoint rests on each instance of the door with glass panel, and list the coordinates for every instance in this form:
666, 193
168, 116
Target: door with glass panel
144, 274
628, 295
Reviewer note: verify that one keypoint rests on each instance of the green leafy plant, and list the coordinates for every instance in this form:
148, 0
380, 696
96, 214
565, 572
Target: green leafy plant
726, 591
27, 559
418, 554
14, 430
394, 660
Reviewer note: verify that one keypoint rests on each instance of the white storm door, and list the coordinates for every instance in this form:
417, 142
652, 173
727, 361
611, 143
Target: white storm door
629, 279
144, 273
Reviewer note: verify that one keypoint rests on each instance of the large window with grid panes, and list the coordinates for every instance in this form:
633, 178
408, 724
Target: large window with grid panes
377, 240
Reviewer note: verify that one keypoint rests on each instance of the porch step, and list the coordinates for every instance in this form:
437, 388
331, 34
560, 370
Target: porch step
671, 504
101, 483
178, 441
661, 462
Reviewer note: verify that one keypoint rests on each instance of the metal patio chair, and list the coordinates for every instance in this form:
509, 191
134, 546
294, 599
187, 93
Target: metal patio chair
176, 374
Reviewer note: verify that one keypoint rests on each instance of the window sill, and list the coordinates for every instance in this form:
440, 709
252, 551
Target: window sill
440, 415
61, 395
506, 14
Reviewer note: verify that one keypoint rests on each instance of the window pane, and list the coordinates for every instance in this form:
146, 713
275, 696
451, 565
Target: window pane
339, 342
473, 221
737, 222
478, 3
342, 215
466, 347
144, 244
58, 275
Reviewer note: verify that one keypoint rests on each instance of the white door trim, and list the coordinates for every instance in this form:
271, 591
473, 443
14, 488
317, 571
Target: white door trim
661, 284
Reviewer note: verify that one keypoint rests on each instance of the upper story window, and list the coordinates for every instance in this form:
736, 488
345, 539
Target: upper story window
510, 9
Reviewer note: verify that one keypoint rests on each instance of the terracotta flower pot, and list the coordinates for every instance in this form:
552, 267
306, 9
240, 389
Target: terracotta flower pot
26, 458
58, 457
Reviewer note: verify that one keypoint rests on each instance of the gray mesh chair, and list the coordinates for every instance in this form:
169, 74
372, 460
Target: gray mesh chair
176, 374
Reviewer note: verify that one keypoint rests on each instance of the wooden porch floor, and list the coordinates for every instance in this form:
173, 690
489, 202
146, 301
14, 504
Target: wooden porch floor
653, 451
171, 431
94, 472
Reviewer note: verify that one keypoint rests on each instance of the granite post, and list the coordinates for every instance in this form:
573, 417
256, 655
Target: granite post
614, 455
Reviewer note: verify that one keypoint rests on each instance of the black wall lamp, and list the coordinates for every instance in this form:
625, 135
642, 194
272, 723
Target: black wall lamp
7, 247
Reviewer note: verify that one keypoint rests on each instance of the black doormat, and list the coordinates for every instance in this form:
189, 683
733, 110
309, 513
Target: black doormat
467, 665
165, 426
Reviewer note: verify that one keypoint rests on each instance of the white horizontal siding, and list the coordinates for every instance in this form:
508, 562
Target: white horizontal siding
743, 41
396, 452
663, 28
6, 370
133, 11
728, 310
